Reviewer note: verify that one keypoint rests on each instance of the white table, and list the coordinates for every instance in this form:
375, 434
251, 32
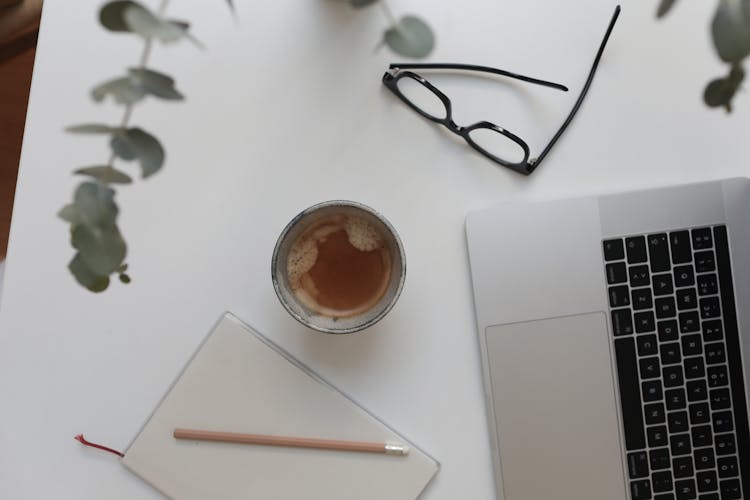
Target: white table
285, 108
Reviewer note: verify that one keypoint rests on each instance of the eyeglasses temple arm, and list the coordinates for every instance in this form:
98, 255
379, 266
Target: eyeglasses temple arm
482, 69
532, 166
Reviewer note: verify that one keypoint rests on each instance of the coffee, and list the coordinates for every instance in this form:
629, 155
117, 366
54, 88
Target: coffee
340, 266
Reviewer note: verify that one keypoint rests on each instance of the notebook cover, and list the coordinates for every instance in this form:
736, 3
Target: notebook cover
239, 381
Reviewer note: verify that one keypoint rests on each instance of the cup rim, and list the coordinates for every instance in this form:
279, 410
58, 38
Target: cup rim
315, 208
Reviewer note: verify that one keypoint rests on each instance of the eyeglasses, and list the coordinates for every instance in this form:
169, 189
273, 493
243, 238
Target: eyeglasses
492, 141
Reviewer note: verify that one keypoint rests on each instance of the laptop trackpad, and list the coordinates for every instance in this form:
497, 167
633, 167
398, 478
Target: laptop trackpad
555, 410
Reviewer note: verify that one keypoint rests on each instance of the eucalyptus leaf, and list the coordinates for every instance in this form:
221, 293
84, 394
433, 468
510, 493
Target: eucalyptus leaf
135, 143
410, 37
155, 83
664, 7
95, 205
101, 248
70, 214
111, 15
124, 278
361, 3
123, 90
106, 174
90, 128
147, 24
86, 276
721, 91
730, 28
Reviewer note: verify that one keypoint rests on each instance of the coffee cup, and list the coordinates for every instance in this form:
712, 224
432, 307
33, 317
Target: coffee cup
338, 267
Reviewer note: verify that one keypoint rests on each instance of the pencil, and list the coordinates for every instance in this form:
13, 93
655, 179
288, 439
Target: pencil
295, 442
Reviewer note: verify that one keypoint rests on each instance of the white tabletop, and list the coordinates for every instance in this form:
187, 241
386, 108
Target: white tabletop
285, 108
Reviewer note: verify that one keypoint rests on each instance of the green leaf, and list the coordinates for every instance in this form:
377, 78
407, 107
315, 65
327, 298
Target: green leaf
664, 7
123, 90
101, 248
135, 143
410, 37
86, 276
106, 174
155, 83
90, 128
111, 15
357, 4
70, 214
95, 204
721, 91
125, 278
730, 28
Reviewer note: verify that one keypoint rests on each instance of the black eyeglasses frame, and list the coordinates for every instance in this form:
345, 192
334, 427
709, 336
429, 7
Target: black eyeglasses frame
525, 166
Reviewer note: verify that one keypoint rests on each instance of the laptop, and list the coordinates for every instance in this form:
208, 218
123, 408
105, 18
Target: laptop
615, 335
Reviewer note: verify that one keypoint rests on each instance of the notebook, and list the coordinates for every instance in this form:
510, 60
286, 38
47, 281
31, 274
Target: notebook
239, 381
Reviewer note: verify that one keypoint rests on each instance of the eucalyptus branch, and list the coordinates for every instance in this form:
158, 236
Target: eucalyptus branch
408, 36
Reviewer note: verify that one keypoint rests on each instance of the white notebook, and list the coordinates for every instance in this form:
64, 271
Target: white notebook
239, 381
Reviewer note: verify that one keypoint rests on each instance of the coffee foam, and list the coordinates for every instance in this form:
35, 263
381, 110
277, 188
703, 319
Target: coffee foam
362, 235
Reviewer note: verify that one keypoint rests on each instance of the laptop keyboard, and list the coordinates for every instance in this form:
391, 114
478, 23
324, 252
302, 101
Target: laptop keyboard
679, 368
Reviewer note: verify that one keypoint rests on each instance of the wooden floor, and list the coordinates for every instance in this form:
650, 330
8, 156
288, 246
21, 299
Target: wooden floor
15, 78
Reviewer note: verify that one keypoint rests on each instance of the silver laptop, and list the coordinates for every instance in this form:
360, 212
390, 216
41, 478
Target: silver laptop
613, 331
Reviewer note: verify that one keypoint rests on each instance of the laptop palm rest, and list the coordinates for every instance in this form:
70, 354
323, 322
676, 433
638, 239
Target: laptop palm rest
555, 409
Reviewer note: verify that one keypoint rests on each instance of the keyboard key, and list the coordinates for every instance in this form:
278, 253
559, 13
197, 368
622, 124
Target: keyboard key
659, 458
670, 353
662, 284
697, 390
686, 299
685, 489
699, 413
630, 399
636, 249
641, 299
680, 246
679, 444
657, 436
654, 413
707, 481
652, 390
708, 496
665, 307
640, 489
709, 307
682, 466
667, 330
619, 296
622, 322
649, 367
658, 252
713, 330
717, 376
684, 276
727, 467
730, 489
704, 261
689, 322
702, 238
722, 421
638, 464
707, 284
675, 399
614, 250
664, 496
702, 435
661, 481
694, 367
720, 399
616, 272
673, 376
692, 345
704, 459
639, 276
647, 345
715, 353
677, 421
725, 444
644, 322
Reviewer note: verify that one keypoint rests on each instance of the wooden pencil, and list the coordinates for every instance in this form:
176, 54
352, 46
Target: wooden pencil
295, 442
